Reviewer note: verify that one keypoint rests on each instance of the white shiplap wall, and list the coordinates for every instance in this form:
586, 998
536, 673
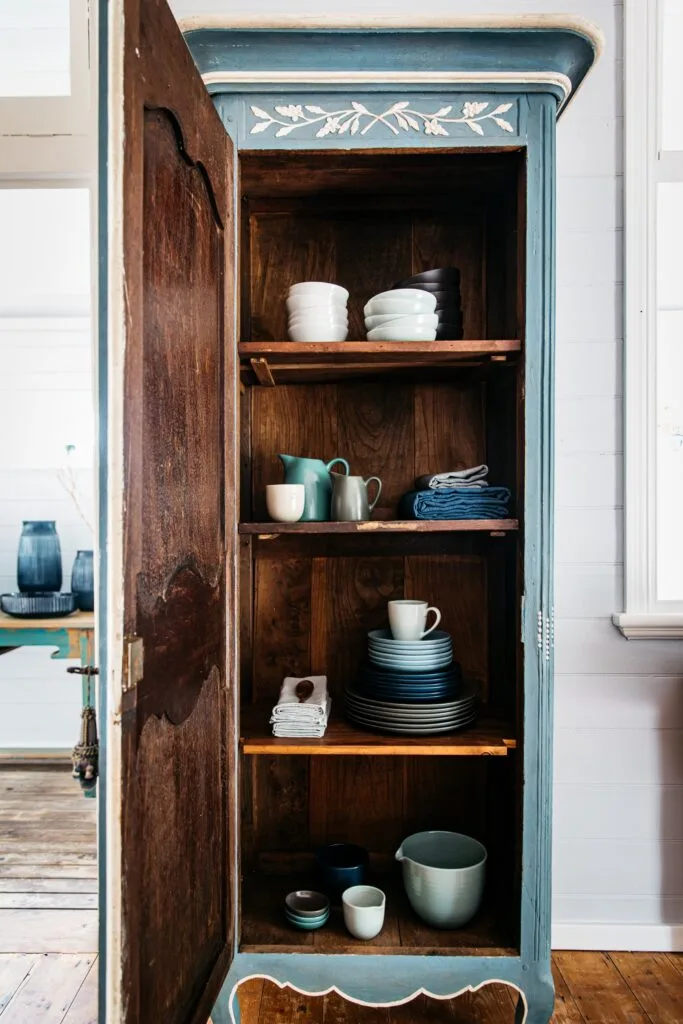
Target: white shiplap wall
46, 402
618, 853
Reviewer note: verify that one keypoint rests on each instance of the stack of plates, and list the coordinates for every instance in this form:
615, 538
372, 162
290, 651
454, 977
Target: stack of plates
435, 651
444, 284
410, 687
411, 719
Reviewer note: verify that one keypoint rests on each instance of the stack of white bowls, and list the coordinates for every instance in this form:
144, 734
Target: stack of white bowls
402, 314
317, 311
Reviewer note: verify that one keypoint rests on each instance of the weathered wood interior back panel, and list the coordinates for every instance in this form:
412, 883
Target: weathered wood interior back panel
308, 601
313, 614
373, 223
295, 804
396, 430
366, 251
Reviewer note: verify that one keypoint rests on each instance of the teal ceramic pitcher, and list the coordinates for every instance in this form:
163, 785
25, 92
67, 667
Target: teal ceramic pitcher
314, 474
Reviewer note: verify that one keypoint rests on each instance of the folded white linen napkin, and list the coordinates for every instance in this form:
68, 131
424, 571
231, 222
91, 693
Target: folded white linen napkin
474, 477
290, 708
306, 729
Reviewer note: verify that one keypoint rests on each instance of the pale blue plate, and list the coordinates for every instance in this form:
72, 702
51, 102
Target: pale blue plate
384, 636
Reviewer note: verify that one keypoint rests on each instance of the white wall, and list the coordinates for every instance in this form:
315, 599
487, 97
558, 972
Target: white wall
45, 404
618, 854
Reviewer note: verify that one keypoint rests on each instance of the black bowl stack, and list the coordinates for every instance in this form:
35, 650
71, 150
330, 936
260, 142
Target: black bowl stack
443, 282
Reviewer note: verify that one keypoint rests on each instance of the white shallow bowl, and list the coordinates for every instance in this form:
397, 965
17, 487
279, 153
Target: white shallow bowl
381, 306
319, 288
416, 320
318, 320
402, 293
329, 332
296, 304
400, 332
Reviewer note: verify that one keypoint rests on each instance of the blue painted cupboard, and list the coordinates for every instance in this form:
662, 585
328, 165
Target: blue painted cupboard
362, 154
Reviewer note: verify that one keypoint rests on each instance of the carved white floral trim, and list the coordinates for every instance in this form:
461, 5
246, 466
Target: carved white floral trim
358, 119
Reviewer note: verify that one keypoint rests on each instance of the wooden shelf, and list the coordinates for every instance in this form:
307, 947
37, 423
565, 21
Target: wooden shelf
274, 362
344, 740
265, 930
375, 526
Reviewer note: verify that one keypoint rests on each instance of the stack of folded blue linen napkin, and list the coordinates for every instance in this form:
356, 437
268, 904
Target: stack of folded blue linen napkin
458, 494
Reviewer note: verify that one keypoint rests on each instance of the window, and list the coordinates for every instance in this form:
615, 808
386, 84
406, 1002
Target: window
35, 48
653, 322
46, 86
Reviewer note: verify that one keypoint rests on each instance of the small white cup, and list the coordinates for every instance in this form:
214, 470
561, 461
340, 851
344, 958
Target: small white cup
408, 619
364, 907
285, 502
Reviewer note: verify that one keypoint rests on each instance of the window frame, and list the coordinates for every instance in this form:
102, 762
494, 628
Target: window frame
644, 616
52, 135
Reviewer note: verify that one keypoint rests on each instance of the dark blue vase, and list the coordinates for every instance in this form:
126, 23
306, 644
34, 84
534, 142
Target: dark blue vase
83, 581
39, 562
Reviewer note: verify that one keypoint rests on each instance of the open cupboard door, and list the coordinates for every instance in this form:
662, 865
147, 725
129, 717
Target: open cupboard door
168, 531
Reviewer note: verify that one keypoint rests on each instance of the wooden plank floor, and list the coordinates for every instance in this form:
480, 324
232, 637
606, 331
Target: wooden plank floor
48, 899
48, 939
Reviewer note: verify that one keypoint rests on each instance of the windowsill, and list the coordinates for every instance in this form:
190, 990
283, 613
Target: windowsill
649, 625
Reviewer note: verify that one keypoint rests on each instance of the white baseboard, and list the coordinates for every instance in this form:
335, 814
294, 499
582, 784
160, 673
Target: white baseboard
650, 938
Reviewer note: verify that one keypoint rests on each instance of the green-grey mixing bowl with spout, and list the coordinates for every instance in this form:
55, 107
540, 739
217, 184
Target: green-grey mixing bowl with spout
443, 875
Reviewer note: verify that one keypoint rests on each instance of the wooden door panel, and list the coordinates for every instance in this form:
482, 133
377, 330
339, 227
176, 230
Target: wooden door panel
178, 574
171, 911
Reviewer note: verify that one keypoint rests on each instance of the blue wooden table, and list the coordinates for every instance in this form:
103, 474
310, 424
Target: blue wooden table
72, 637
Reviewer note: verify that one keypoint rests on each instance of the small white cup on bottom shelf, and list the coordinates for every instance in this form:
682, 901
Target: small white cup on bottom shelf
364, 907
285, 502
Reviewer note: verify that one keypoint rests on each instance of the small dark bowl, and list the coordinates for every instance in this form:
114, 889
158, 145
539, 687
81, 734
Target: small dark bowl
447, 298
451, 313
38, 606
341, 866
445, 274
441, 288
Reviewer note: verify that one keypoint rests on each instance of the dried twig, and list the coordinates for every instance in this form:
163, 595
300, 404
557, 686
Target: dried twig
67, 478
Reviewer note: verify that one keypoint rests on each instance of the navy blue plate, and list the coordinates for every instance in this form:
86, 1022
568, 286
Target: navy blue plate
373, 672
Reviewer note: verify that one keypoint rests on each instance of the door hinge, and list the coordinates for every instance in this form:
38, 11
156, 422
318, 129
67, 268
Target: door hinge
133, 662
545, 633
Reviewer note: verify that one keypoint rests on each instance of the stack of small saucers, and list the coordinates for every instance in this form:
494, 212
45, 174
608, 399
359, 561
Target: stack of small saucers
410, 687
307, 910
317, 312
444, 285
402, 314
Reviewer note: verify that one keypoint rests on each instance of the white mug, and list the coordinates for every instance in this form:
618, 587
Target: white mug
285, 502
363, 907
408, 619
